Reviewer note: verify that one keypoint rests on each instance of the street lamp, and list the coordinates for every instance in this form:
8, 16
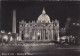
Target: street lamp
5, 37
38, 33
11, 39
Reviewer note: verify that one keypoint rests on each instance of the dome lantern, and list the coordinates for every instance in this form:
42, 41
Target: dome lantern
43, 12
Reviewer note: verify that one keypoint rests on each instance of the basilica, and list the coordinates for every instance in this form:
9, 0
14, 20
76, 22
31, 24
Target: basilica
41, 30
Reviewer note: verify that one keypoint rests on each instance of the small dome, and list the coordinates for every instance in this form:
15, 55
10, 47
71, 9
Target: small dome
43, 17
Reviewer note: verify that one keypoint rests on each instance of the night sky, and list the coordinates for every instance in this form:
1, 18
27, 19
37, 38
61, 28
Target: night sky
30, 10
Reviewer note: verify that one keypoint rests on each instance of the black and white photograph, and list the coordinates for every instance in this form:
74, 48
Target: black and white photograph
39, 27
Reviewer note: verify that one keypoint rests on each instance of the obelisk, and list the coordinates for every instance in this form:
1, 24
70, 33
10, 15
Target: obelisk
0, 15
14, 22
14, 25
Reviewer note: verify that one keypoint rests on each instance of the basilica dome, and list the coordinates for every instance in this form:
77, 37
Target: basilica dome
43, 17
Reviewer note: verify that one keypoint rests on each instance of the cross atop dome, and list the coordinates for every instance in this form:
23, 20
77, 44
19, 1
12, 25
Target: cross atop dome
43, 12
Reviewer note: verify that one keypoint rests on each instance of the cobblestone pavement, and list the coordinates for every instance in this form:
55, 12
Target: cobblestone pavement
48, 50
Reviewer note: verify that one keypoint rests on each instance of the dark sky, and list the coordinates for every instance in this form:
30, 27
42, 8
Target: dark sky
30, 10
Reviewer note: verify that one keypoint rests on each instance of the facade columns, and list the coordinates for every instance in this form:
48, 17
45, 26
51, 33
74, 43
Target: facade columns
48, 35
58, 36
52, 34
20, 34
44, 34
29, 34
34, 34
40, 34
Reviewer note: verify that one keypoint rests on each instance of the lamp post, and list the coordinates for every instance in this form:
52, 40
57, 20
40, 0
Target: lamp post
5, 37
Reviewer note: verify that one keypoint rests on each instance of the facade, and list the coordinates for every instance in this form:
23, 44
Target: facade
41, 30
